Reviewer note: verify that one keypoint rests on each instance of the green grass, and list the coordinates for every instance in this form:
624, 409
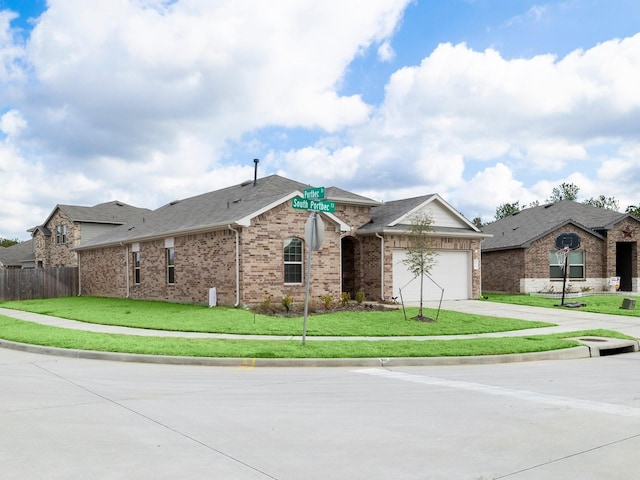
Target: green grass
609, 304
193, 318
180, 317
36, 334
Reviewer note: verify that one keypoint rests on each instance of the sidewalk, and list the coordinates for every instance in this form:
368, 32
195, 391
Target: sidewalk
567, 320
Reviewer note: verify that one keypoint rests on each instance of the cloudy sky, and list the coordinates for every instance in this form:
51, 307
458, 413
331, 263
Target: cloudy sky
481, 101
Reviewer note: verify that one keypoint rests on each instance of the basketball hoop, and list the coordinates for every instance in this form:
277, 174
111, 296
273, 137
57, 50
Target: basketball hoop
565, 242
561, 257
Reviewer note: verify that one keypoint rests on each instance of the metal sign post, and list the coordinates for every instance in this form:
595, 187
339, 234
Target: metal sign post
312, 220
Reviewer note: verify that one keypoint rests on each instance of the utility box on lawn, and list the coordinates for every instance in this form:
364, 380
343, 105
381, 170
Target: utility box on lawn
628, 304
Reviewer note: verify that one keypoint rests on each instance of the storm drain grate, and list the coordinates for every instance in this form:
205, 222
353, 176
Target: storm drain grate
603, 346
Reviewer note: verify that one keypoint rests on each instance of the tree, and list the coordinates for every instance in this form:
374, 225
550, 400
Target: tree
477, 221
566, 191
507, 209
633, 210
608, 203
5, 242
420, 255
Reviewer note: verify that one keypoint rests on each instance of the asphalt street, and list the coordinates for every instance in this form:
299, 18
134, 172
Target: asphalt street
73, 418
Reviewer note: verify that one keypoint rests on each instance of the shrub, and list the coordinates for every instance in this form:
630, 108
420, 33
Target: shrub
327, 301
344, 298
360, 296
287, 302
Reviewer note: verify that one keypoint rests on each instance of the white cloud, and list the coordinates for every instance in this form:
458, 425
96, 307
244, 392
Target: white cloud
143, 101
385, 52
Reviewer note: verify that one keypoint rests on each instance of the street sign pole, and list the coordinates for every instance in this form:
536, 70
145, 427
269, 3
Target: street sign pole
308, 281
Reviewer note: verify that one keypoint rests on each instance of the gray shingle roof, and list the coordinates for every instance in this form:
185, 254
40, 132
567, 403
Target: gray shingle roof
114, 212
336, 194
16, 255
210, 210
522, 228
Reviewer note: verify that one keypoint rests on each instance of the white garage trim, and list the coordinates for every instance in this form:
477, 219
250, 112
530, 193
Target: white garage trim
451, 272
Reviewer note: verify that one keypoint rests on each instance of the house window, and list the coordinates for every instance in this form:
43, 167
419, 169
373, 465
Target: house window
136, 267
171, 266
61, 234
575, 263
293, 260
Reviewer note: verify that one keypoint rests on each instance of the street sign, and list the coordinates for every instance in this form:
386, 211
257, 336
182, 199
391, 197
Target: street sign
314, 193
314, 232
300, 203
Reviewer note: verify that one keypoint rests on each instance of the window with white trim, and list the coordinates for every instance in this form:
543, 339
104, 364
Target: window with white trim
61, 234
293, 260
171, 265
136, 267
575, 264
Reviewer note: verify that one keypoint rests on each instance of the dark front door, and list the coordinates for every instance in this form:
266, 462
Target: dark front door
624, 264
349, 266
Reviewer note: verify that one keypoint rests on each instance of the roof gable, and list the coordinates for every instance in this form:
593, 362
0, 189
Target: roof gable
396, 216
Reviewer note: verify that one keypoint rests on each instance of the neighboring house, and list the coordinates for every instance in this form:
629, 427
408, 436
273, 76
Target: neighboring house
69, 226
521, 254
248, 243
19, 255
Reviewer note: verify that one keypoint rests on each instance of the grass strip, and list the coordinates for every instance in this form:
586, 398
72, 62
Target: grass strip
32, 333
196, 318
609, 304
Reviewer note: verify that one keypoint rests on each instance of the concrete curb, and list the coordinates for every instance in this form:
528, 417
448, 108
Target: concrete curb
564, 354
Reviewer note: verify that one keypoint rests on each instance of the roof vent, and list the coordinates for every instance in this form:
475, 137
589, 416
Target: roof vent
255, 172
120, 204
174, 202
246, 182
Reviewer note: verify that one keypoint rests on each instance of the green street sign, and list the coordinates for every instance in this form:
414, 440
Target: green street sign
300, 203
314, 193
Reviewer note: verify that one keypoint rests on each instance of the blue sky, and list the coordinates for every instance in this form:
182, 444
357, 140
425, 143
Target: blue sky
481, 101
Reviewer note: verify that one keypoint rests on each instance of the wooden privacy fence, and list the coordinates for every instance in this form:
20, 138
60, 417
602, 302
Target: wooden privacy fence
30, 283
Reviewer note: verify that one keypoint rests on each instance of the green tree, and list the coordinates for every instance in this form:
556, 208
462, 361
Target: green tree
507, 209
5, 242
608, 203
477, 221
420, 253
633, 210
566, 191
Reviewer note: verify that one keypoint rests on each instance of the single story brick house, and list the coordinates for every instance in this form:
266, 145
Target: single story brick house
520, 256
68, 226
248, 243
17, 256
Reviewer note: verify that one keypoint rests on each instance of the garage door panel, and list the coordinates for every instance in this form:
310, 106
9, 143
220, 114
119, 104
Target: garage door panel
450, 272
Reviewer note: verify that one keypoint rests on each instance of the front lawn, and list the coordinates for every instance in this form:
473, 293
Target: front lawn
194, 318
36, 334
609, 304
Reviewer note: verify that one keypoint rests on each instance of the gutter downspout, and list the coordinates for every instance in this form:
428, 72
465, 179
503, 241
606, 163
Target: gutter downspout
381, 265
79, 275
126, 260
237, 264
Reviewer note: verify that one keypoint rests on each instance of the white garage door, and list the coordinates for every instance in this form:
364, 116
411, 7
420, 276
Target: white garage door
452, 271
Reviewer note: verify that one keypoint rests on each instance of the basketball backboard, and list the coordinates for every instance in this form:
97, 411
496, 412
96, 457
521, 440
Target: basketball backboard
569, 239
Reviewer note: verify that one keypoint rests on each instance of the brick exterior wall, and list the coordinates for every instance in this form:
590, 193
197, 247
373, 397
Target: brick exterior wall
48, 252
627, 232
527, 270
208, 260
502, 270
